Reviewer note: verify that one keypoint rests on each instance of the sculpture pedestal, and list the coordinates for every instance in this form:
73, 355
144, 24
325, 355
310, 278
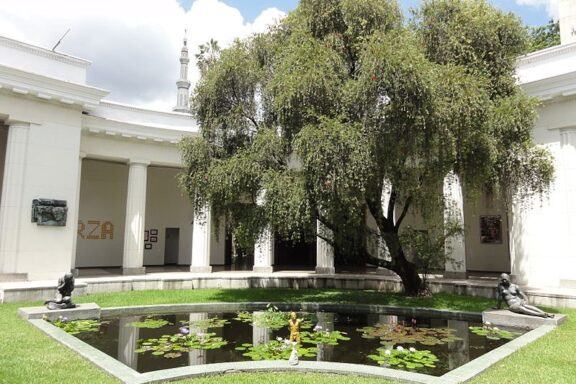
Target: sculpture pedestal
81, 312
503, 317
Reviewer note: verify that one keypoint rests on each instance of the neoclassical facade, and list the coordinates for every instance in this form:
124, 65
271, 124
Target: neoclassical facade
87, 182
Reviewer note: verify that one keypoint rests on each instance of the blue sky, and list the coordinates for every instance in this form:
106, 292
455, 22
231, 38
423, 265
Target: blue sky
250, 9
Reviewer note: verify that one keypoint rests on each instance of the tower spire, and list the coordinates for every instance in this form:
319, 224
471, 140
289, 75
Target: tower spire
183, 83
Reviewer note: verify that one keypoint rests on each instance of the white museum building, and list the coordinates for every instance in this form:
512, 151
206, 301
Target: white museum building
90, 183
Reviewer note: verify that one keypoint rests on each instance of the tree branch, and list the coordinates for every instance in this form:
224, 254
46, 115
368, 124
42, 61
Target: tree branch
391, 205
404, 212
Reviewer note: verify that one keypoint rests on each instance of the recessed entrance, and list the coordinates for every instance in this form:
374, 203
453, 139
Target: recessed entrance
171, 246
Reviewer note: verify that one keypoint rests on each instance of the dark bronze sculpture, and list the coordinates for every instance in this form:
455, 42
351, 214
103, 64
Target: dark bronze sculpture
64, 296
49, 212
516, 299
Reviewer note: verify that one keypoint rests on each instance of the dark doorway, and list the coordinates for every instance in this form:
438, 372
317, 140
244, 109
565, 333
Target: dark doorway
171, 246
298, 255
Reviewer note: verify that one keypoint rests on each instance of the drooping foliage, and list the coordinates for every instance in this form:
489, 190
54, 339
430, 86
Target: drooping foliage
343, 104
545, 36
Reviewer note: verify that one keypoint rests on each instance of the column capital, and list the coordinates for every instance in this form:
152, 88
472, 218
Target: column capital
137, 161
16, 123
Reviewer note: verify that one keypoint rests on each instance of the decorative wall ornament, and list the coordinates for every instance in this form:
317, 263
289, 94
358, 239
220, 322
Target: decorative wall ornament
49, 212
491, 229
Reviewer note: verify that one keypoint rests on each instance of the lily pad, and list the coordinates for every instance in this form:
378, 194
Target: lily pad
150, 322
392, 334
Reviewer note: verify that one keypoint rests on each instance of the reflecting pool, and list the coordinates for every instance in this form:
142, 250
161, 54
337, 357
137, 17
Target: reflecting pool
425, 345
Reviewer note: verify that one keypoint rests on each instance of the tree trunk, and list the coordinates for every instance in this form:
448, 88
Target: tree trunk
401, 266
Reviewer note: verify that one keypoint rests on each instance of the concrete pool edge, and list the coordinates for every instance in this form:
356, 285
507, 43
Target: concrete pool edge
127, 375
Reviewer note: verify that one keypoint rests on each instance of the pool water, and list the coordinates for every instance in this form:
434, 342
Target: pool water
124, 338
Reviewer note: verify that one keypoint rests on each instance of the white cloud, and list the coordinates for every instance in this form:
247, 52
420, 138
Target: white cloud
134, 45
550, 5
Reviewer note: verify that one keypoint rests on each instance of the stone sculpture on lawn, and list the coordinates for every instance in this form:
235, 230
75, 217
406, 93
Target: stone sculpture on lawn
516, 299
63, 298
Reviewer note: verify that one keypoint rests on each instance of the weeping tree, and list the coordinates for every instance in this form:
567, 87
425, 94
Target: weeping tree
343, 105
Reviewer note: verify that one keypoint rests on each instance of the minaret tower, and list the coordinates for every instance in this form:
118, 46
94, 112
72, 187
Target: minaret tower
567, 12
183, 83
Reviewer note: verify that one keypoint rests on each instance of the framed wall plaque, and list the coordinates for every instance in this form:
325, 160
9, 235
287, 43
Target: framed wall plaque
491, 229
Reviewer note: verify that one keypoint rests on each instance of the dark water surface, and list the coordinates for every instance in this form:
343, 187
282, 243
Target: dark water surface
119, 339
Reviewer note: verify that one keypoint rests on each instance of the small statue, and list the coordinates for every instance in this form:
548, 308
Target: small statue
294, 327
64, 296
516, 299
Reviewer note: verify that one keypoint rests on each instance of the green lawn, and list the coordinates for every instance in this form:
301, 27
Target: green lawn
29, 356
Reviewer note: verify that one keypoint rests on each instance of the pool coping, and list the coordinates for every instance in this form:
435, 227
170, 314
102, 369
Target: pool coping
128, 375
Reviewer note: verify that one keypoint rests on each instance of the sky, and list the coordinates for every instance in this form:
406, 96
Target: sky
134, 45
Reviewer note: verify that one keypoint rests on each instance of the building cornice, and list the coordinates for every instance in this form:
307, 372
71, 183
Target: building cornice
546, 54
48, 89
119, 130
128, 107
552, 88
38, 51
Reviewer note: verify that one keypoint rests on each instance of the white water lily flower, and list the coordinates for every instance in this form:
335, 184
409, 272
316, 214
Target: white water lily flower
400, 348
387, 352
412, 349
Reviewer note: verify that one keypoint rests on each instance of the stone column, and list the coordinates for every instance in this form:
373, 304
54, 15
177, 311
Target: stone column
324, 251
264, 251
133, 263
455, 266
127, 340
12, 205
201, 242
74, 218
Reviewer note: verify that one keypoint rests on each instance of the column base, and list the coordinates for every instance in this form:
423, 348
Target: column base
134, 271
5, 277
325, 270
207, 269
455, 275
263, 269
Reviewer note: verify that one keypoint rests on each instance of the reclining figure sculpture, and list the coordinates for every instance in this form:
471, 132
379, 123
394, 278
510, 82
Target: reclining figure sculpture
516, 299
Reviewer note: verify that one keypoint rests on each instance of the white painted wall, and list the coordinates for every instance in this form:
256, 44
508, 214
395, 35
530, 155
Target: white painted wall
167, 207
122, 150
543, 232
3, 139
26, 57
51, 172
102, 200
491, 257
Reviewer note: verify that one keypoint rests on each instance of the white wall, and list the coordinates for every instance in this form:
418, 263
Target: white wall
542, 232
107, 147
38, 60
51, 170
102, 202
3, 138
167, 207
491, 257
